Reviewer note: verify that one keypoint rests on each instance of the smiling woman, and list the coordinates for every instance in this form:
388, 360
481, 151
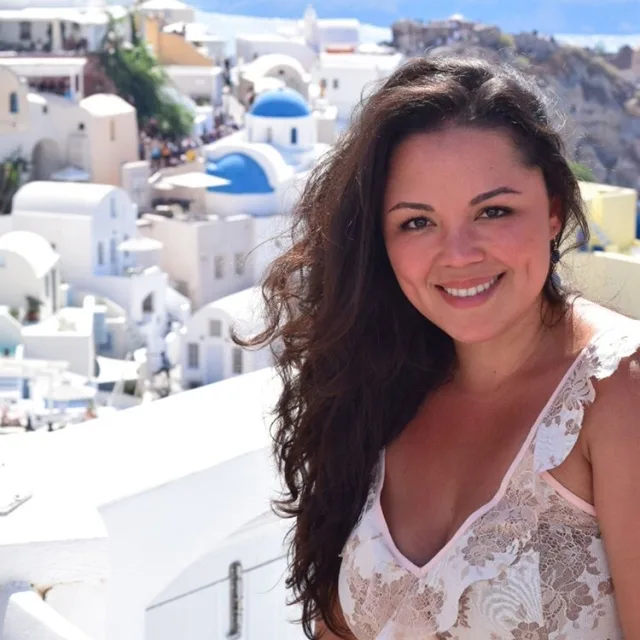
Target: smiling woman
474, 247
456, 463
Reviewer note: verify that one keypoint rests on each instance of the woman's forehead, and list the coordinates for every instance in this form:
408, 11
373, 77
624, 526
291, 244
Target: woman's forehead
464, 161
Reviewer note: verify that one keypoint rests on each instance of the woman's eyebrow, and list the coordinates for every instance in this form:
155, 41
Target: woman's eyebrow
418, 206
481, 197
487, 195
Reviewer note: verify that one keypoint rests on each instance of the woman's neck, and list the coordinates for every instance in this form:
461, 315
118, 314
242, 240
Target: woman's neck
486, 366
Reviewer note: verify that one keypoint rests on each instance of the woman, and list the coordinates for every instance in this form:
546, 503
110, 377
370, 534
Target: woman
459, 439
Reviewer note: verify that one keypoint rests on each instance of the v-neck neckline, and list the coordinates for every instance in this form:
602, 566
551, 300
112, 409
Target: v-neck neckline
421, 570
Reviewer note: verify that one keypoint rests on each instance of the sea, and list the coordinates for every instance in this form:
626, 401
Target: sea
229, 25
606, 23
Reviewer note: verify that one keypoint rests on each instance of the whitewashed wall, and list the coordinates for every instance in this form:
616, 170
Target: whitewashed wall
51, 118
229, 204
215, 353
191, 247
71, 235
247, 48
12, 122
18, 280
77, 350
270, 239
109, 152
202, 594
107, 227
278, 131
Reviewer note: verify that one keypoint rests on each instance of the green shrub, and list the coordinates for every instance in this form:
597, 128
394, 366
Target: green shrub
582, 173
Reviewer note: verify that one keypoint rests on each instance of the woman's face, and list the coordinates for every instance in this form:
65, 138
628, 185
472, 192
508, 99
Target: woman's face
467, 228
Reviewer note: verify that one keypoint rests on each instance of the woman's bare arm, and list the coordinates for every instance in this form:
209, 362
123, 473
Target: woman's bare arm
613, 438
322, 633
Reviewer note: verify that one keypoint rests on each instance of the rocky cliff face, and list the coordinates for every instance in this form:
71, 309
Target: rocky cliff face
597, 109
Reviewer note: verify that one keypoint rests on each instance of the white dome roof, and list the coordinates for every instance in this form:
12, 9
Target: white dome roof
57, 197
32, 247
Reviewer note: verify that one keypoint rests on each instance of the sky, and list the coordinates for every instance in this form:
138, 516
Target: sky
547, 16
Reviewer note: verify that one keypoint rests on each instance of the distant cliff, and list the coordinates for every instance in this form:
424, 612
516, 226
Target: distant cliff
598, 109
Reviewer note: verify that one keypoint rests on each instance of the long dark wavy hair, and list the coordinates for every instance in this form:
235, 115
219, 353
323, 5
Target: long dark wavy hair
354, 356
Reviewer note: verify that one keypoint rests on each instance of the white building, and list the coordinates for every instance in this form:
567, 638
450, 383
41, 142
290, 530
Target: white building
206, 257
62, 76
287, 70
39, 392
90, 226
29, 275
56, 27
237, 226
276, 71
252, 45
86, 552
341, 70
14, 113
91, 139
345, 79
304, 41
265, 160
199, 83
112, 133
208, 352
33, 315
66, 336
198, 34
167, 11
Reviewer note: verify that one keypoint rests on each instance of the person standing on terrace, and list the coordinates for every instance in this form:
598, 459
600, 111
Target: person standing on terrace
458, 435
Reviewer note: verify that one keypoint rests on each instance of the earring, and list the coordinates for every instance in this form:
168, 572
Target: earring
555, 252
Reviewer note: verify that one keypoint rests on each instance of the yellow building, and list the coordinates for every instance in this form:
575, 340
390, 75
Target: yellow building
189, 67
612, 214
173, 48
610, 277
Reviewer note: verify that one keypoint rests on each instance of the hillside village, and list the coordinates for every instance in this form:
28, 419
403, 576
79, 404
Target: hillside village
596, 93
135, 474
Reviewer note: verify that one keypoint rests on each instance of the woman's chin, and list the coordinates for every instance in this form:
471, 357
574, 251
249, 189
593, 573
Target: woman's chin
473, 335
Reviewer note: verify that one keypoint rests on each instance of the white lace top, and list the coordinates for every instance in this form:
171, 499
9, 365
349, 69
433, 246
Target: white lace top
528, 565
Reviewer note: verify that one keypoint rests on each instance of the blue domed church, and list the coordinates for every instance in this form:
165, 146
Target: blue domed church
260, 163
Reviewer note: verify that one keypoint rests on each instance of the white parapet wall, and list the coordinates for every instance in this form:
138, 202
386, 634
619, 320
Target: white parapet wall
608, 278
132, 518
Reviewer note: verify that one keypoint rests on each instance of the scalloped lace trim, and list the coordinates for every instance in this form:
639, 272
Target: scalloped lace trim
558, 431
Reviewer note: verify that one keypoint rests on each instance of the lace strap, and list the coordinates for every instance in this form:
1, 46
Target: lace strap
560, 427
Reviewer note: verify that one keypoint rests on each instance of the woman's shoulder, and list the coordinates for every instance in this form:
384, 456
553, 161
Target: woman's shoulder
601, 319
614, 366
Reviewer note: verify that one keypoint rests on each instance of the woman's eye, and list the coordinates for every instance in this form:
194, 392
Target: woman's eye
415, 224
495, 212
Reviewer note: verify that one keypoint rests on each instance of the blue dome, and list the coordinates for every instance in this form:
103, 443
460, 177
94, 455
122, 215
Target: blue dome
245, 175
280, 103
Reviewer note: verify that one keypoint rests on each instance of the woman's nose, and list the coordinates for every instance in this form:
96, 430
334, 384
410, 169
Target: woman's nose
460, 248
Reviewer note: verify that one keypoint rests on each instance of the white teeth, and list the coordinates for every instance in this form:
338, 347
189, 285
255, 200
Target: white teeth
473, 291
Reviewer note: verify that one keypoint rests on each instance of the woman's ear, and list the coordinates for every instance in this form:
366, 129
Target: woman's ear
556, 216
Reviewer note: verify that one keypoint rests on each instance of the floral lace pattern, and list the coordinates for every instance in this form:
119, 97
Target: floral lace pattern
530, 565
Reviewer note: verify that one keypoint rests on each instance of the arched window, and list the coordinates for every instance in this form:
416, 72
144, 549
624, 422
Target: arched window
294, 136
13, 102
147, 304
269, 135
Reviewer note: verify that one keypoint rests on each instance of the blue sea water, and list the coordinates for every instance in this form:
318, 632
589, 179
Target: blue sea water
576, 17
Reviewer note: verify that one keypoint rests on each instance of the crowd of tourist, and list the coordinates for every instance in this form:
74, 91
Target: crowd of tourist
168, 151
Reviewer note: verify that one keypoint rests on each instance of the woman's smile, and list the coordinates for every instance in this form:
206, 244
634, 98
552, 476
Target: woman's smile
470, 293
